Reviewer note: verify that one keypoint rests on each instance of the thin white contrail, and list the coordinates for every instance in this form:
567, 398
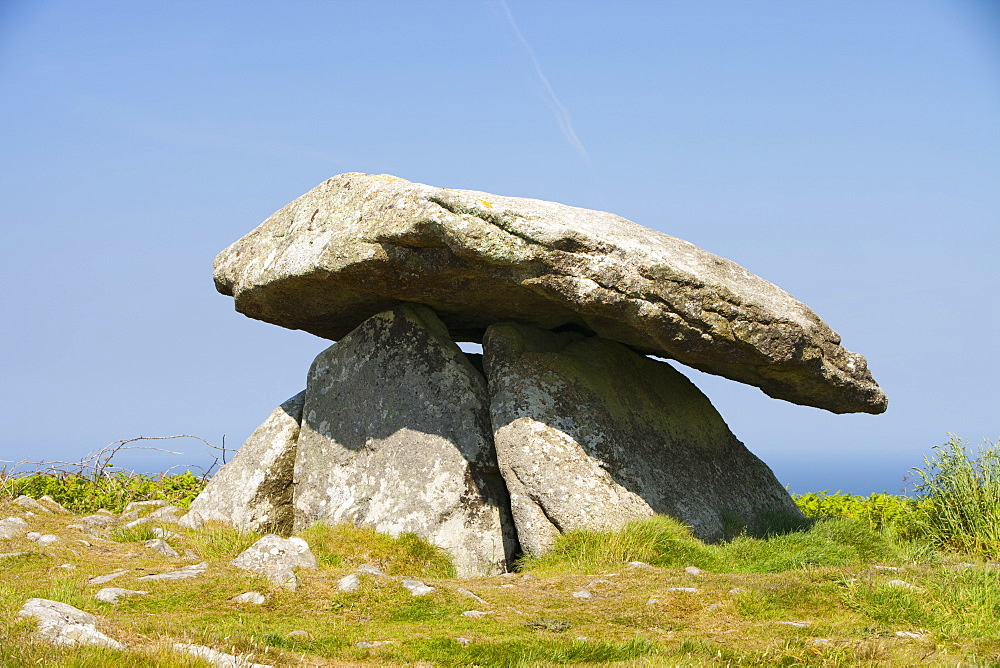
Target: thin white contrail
558, 109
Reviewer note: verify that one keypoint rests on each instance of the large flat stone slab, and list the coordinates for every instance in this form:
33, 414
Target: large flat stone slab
591, 435
359, 244
253, 491
396, 435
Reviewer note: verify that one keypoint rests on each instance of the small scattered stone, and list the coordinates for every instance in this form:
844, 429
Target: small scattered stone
693, 570
463, 641
686, 590
33, 535
652, 601
299, 634
818, 642
583, 593
161, 546
349, 583
738, 590
184, 573
902, 584
713, 607
47, 539
69, 567
528, 576
638, 564
101, 579
368, 569
12, 527
254, 597
507, 586
367, 644
800, 625
190, 554
5, 555
469, 594
910, 634
416, 587
215, 657
885, 568
475, 614
128, 517
30, 504
113, 594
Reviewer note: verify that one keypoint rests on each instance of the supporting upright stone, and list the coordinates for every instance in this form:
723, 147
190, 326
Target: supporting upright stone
254, 490
591, 435
396, 435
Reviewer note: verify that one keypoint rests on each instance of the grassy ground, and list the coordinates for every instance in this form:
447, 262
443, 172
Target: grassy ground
815, 597
868, 581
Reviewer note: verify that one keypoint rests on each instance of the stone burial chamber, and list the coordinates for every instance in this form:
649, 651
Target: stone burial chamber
564, 423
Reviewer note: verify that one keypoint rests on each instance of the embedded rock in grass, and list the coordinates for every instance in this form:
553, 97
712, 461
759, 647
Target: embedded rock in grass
215, 657
12, 527
276, 557
254, 490
359, 244
417, 588
114, 594
62, 624
101, 579
145, 505
396, 436
349, 583
52, 504
29, 503
591, 435
161, 546
254, 597
192, 571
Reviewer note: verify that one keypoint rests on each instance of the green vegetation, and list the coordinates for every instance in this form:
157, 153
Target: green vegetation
882, 580
86, 493
959, 492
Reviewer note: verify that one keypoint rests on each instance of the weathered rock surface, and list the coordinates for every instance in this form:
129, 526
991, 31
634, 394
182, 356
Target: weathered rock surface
591, 435
396, 435
254, 490
359, 244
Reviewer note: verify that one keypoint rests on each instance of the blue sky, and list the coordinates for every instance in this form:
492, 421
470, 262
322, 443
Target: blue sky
847, 151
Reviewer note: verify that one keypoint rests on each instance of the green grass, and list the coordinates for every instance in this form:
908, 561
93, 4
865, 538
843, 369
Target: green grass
821, 575
345, 545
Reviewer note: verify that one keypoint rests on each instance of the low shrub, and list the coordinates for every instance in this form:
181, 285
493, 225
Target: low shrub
86, 493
